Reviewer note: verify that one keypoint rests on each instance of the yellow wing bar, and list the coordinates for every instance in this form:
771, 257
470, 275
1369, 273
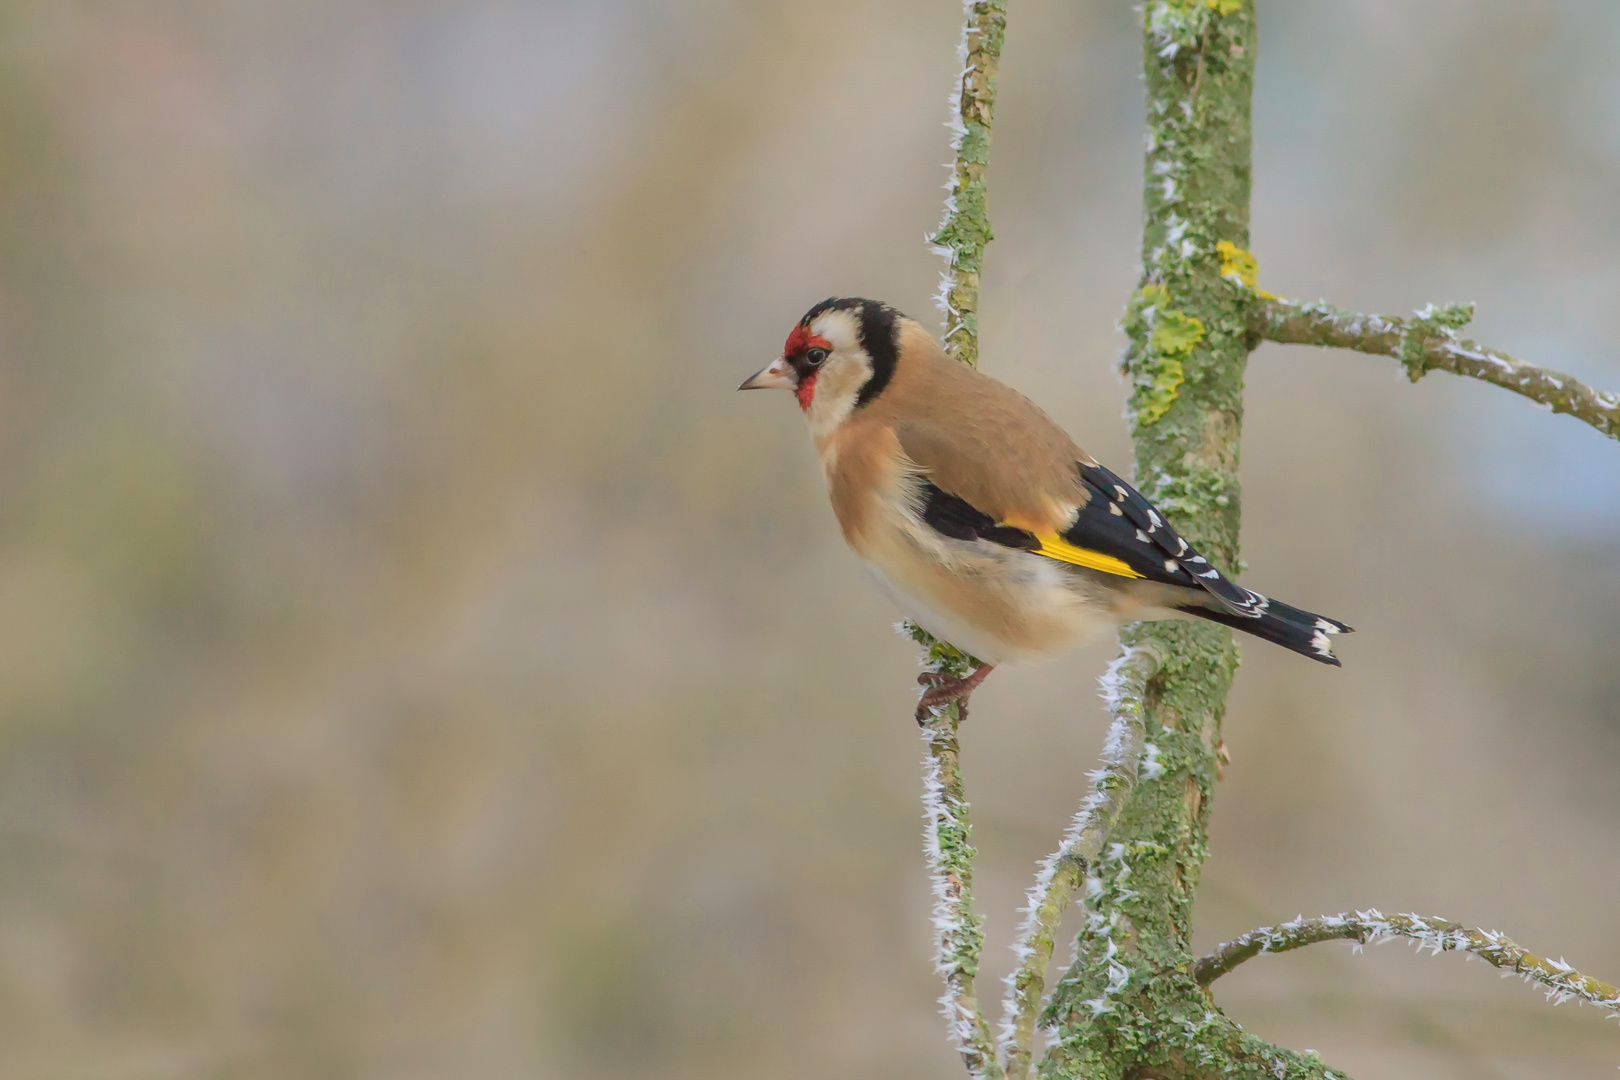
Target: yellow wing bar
1054, 546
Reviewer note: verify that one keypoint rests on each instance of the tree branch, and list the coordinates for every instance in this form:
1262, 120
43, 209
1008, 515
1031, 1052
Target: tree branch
1062, 873
1561, 981
1429, 342
963, 234
1133, 1002
1128, 1006
947, 842
961, 239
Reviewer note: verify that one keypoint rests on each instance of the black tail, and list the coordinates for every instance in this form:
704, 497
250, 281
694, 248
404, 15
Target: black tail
1303, 632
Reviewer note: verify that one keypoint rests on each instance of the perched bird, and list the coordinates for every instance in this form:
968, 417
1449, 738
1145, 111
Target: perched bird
978, 514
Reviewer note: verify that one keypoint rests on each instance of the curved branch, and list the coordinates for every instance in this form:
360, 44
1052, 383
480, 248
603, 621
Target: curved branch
1295, 934
1064, 871
1561, 981
1429, 342
963, 234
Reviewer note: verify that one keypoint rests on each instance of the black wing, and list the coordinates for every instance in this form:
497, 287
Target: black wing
1117, 532
957, 518
1100, 539
1114, 498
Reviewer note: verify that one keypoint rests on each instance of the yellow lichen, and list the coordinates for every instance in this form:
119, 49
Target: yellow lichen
1241, 267
1224, 7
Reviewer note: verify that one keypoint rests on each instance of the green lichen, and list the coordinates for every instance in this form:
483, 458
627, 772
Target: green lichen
964, 234
1184, 23
1153, 398
1128, 1005
940, 656
1175, 334
1194, 492
1171, 336
1432, 323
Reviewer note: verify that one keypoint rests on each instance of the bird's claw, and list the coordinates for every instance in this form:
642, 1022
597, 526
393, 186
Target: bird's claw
943, 691
946, 689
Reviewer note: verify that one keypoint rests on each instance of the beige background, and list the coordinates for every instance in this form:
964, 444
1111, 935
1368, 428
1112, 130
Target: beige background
416, 662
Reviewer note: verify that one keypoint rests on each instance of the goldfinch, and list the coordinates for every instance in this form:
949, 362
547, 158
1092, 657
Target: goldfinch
980, 517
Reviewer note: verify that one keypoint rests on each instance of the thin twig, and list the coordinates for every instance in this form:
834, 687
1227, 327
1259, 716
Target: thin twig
965, 231
947, 841
1062, 873
1427, 342
1561, 981
961, 238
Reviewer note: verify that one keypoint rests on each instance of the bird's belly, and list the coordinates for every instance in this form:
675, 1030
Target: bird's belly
999, 604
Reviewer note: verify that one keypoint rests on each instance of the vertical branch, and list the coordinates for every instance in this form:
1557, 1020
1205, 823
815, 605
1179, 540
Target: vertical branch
1128, 1005
961, 239
947, 842
963, 234
1065, 869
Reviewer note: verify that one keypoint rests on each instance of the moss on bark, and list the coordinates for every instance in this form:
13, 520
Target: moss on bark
1129, 1006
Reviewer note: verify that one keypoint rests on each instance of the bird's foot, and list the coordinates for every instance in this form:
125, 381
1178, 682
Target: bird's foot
944, 689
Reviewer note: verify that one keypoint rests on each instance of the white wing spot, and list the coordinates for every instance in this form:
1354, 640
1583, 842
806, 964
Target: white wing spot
1326, 627
1171, 566
1144, 537
1113, 508
1211, 574
1119, 493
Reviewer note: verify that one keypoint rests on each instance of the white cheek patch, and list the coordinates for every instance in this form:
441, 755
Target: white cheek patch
838, 384
841, 376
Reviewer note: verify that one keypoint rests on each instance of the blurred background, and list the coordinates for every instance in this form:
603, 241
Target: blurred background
417, 662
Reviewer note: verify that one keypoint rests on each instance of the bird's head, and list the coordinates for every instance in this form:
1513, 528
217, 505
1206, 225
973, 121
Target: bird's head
837, 358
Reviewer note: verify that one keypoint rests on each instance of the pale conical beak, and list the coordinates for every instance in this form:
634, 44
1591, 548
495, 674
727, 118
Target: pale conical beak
777, 375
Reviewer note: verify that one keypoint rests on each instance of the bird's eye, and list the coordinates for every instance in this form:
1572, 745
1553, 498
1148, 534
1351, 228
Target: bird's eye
816, 356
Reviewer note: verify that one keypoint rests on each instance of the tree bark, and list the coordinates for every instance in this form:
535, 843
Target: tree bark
1129, 1006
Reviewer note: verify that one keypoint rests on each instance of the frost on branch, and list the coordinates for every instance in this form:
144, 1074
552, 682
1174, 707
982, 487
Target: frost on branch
1429, 341
947, 836
965, 231
1062, 872
1560, 981
961, 239
1130, 1003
